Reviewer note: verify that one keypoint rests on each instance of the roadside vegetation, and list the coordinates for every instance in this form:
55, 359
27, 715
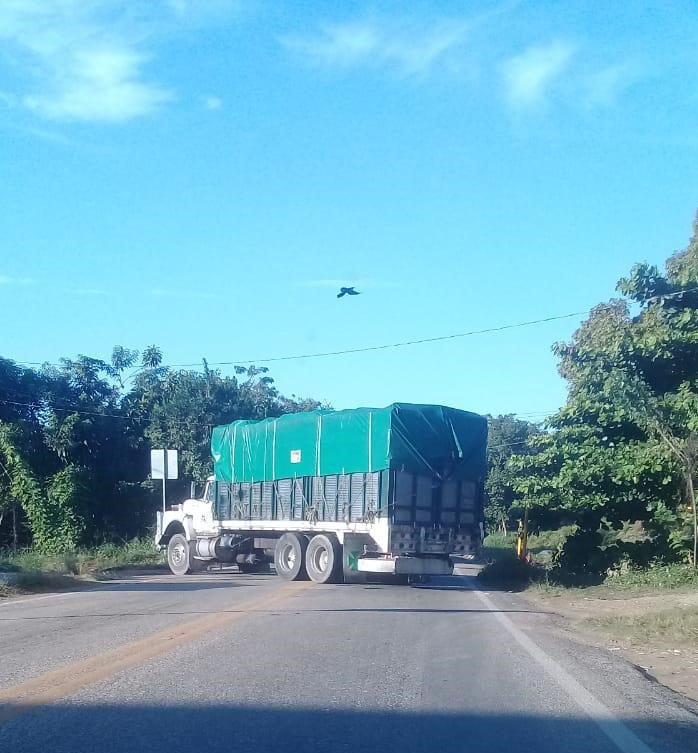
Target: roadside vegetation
31, 570
677, 626
502, 567
612, 473
75, 439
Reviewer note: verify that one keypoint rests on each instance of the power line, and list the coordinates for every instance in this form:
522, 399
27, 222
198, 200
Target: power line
47, 405
402, 344
387, 346
364, 349
421, 341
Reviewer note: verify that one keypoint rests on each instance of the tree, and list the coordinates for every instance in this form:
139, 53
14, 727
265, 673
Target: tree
507, 435
179, 408
673, 421
621, 449
74, 438
56, 526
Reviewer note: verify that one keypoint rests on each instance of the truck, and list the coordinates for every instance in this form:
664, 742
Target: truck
336, 496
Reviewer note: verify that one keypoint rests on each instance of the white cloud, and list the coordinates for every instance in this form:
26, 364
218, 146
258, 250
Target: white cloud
101, 84
5, 280
85, 58
407, 48
213, 103
529, 76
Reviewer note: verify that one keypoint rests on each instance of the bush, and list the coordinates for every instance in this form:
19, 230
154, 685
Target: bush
591, 552
509, 572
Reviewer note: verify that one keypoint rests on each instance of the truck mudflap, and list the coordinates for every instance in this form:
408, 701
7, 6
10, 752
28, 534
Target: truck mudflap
405, 565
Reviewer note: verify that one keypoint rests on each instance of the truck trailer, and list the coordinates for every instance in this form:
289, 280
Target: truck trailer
337, 495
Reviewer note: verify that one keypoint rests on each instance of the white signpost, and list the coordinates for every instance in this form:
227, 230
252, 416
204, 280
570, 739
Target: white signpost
163, 465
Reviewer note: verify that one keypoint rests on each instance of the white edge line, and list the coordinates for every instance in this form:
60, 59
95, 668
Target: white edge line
617, 732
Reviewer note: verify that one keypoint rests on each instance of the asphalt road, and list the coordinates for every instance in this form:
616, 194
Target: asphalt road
224, 661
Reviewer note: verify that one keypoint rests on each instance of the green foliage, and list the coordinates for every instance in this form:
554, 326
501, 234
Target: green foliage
52, 511
74, 439
65, 496
591, 554
551, 540
507, 571
507, 435
498, 540
32, 570
653, 575
83, 561
181, 407
623, 448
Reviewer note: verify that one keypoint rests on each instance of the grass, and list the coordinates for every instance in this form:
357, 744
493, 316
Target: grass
678, 626
646, 581
31, 571
502, 568
655, 576
497, 543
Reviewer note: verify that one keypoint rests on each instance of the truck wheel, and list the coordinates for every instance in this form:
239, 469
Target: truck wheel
289, 556
179, 557
323, 559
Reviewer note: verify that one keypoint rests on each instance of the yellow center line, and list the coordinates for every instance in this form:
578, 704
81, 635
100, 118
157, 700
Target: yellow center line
68, 679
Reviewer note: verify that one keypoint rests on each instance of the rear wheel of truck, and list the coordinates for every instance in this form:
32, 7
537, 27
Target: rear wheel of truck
323, 559
289, 556
179, 556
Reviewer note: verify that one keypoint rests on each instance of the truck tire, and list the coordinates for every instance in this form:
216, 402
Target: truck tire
323, 559
289, 556
179, 556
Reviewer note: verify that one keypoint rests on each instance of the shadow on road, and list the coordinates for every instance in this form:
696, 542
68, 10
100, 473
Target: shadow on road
200, 582
78, 728
174, 586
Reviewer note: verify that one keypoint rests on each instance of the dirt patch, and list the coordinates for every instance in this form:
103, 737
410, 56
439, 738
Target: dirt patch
655, 631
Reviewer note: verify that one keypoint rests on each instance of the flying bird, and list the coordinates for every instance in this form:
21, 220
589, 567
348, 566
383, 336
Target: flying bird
347, 291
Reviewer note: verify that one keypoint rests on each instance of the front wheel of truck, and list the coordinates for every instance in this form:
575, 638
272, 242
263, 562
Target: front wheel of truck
179, 556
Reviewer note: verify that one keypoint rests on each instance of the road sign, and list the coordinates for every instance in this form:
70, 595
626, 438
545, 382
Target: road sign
163, 464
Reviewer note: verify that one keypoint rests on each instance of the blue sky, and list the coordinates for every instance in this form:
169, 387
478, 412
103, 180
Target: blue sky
204, 174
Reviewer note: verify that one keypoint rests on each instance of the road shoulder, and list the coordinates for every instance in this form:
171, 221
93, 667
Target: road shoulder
653, 631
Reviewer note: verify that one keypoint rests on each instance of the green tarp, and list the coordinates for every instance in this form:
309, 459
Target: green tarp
429, 440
